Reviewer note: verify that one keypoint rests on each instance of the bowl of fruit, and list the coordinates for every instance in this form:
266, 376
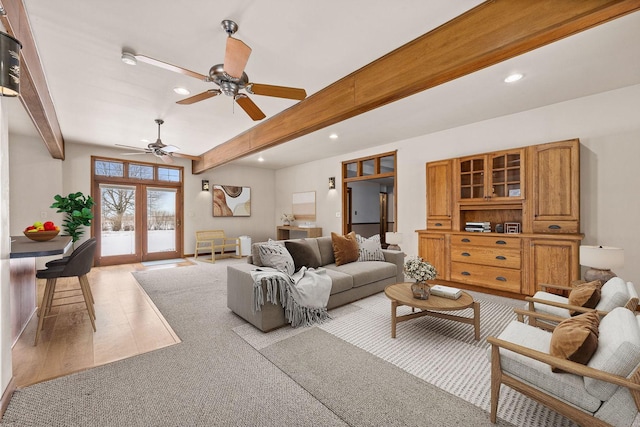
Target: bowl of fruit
42, 231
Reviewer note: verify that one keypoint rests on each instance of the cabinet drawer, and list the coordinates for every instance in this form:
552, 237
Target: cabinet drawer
442, 224
497, 257
494, 241
555, 227
505, 279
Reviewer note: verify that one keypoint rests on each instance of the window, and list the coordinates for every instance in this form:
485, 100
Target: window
140, 171
109, 168
169, 174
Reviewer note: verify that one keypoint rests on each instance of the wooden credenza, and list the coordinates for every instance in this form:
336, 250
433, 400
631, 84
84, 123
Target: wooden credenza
536, 187
284, 231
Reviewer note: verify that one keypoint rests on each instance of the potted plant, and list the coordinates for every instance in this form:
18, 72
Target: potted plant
77, 210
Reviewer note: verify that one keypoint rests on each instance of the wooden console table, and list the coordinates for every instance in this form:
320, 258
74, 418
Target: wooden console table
284, 230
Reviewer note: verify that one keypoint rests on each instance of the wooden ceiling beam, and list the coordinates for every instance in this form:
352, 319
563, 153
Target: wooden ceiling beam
34, 92
485, 35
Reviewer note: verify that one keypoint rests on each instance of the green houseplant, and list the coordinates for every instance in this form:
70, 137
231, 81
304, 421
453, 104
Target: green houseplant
77, 210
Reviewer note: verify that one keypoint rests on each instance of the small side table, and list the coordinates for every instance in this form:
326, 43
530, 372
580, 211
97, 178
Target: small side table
283, 231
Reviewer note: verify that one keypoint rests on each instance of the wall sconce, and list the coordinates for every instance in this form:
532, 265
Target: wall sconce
600, 260
205, 185
393, 239
9, 65
332, 183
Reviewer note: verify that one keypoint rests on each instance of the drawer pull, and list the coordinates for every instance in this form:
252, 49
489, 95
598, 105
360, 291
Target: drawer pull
500, 257
438, 224
500, 242
466, 273
466, 240
554, 227
500, 278
465, 254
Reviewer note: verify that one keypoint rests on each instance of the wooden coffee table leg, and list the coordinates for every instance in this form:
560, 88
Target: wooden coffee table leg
476, 319
394, 306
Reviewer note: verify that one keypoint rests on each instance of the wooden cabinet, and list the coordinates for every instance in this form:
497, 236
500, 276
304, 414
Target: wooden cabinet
555, 178
537, 187
495, 176
434, 248
439, 195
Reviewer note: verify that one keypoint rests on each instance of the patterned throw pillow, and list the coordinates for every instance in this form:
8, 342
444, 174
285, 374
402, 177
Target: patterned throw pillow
369, 249
276, 256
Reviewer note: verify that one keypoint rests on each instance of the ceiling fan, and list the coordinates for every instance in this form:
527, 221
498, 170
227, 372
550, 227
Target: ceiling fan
229, 76
158, 149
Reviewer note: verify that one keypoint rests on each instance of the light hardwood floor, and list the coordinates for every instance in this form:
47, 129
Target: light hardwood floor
127, 323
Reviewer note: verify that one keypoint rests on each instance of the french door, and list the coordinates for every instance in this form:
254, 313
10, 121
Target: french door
138, 222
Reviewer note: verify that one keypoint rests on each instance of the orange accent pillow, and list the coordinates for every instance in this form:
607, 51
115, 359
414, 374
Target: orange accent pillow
345, 248
585, 295
575, 339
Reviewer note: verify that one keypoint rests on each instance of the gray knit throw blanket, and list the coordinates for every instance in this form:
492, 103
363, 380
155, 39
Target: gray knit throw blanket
304, 295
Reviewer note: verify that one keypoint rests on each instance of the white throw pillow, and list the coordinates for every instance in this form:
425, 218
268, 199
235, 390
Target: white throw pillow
369, 249
276, 256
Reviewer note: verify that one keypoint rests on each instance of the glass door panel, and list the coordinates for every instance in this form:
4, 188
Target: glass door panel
117, 220
161, 220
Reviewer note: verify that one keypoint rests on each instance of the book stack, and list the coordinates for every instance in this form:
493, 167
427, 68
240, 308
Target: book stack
445, 292
480, 227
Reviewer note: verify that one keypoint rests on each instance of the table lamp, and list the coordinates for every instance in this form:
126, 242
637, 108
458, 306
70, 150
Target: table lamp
393, 239
600, 260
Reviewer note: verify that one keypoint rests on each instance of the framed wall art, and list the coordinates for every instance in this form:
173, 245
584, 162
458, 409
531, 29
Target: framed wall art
304, 205
230, 200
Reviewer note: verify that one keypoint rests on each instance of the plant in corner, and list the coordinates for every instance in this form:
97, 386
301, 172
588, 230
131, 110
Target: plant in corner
77, 210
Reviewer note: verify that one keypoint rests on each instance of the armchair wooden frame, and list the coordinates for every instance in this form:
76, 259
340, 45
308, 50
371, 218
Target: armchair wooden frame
215, 240
581, 417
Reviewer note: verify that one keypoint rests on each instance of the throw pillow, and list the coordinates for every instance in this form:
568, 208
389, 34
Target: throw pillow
369, 249
575, 339
345, 248
303, 254
584, 295
276, 256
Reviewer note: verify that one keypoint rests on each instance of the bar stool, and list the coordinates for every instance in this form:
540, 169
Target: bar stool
78, 264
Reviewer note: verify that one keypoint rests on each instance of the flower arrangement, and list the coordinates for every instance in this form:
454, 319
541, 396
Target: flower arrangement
286, 218
420, 270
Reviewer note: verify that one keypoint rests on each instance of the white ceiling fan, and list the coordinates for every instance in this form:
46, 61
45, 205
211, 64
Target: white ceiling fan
229, 76
159, 149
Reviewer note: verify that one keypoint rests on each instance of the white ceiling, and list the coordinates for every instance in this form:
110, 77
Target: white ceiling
100, 100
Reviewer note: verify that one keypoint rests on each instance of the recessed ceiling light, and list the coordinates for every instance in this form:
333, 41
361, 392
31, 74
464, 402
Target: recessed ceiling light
129, 58
333, 136
260, 159
144, 140
181, 91
513, 77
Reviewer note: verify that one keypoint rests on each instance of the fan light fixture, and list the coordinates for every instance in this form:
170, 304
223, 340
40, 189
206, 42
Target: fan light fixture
129, 58
9, 65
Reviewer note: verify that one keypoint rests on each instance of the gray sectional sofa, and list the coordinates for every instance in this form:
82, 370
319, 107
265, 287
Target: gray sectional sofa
350, 282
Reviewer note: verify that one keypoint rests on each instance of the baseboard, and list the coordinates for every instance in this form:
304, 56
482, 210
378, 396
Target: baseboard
6, 396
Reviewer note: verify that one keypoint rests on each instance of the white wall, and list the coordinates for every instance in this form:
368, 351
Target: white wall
609, 130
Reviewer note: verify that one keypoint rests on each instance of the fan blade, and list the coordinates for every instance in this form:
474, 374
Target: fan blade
133, 148
135, 154
171, 67
277, 91
170, 148
235, 57
167, 159
186, 156
200, 97
250, 107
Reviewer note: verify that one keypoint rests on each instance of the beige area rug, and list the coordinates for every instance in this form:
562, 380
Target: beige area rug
438, 351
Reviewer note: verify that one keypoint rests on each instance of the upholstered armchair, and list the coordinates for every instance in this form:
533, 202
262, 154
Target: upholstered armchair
614, 293
603, 392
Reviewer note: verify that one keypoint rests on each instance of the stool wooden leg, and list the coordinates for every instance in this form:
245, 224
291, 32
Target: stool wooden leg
45, 306
87, 302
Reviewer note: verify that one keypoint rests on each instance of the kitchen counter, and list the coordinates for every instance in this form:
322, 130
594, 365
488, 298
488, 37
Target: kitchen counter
23, 247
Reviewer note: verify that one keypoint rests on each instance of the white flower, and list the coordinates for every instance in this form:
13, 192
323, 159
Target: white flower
287, 217
420, 270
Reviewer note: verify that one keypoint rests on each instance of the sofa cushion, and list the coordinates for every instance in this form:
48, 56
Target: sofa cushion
585, 295
567, 386
276, 256
340, 281
613, 294
618, 350
345, 248
364, 273
575, 339
369, 249
325, 247
303, 254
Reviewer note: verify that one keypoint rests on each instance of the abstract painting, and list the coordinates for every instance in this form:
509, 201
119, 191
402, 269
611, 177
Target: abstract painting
229, 200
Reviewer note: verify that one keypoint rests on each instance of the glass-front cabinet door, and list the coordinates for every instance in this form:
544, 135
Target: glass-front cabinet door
472, 178
505, 180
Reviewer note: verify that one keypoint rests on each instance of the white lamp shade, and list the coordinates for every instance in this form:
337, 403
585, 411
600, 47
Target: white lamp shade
393, 238
601, 257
